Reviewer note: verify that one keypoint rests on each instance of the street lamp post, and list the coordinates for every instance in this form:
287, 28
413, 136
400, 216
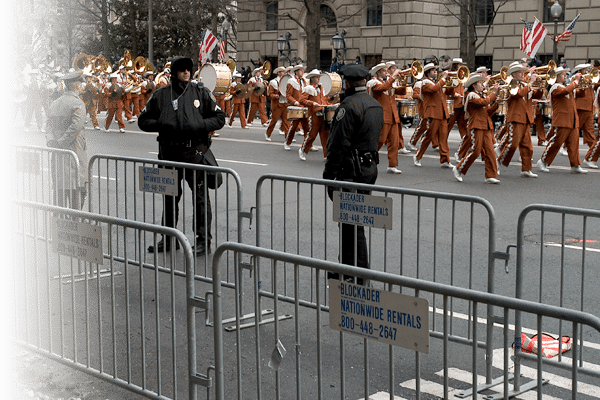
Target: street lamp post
555, 11
339, 43
284, 47
226, 25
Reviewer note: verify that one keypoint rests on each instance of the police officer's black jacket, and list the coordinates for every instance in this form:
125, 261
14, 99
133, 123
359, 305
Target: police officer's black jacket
357, 124
197, 114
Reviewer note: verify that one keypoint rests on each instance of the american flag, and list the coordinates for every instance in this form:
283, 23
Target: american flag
538, 33
222, 50
566, 35
525, 35
209, 42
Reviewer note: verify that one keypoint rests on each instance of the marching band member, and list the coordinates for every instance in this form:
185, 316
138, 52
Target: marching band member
399, 94
148, 87
519, 118
456, 93
420, 129
539, 118
257, 102
565, 121
136, 94
278, 104
592, 155
127, 85
435, 114
478, 110
380, 87
314, 98
163, 79
115, 93
584, 100
90, 97
483, 71
237, 102
294, 95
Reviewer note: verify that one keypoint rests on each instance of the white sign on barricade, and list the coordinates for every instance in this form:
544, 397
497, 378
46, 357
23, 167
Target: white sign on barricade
158, 180
363, 209
77, 239
387, 317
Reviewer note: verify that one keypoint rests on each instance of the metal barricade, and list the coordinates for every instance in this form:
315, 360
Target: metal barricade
117, 188
294, 215
558, 254
40, 174
329, 364
125, 329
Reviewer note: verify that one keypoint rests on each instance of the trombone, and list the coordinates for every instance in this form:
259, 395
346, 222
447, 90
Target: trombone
415, 70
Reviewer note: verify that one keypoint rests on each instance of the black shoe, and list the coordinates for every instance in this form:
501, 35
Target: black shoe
160, 246
201, 248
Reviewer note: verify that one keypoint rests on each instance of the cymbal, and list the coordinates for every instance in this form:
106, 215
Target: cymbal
245, 92
261, 88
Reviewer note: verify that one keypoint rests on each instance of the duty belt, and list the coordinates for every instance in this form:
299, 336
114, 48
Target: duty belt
184, 143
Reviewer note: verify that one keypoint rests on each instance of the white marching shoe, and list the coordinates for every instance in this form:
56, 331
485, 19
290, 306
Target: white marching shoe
578, 170
301, 154
590, 164
416, 161
528, 174
492, 180
393, 170
447, 165
542, 166
457, 175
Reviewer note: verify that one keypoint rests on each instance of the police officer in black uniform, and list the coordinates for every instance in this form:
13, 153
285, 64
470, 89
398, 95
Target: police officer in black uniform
352, 153
183, 113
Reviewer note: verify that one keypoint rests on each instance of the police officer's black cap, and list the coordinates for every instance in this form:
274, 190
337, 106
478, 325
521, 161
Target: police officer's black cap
181, 64
73, 76
354, 72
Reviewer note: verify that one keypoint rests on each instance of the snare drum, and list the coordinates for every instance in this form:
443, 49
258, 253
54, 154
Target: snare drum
294, 113
331, 82
330, 112
450, 106
216, 78
502, 107
546, 109
408, 108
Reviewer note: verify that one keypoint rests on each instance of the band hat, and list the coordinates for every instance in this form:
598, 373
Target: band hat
427, 67
474, 79
237, 75
562, 69
457, 61
313, 73
148, 73
377, 68
256, 70
580, 66
278, 69
514, 67
390, 63
481, 69
297, 67
289, 69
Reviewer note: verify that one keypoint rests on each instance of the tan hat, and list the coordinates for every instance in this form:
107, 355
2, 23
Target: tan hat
474, 79
390, 63
236, 74
562, 69
481, 69
297, 67
578, 67
314, 72
457, 60
289, 69
427, 67
514, 67
278, 69
377, 68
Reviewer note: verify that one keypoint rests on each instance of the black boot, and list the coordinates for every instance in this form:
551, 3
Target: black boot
201, 247
160, 246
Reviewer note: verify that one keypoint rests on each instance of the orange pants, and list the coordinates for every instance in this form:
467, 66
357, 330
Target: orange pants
539, 128
135, 100
260, 107
238, 108
519, 137
568, 136
389, 137
586, 123
277, 114
435, 128
317, 127
400, 138
459, 118
481, 142
90, 107
115, 108
294, 126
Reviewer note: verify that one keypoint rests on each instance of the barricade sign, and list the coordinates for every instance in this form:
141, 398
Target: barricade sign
158, 180
363, 209
387, 317
77, 239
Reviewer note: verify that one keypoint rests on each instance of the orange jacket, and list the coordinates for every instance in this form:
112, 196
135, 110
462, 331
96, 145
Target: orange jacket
383, 93
253, 97
434, 100
478, 110
564, 111
584, 99
312, 97
235, 99
520, 106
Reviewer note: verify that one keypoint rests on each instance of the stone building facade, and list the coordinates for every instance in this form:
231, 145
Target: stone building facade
402, 30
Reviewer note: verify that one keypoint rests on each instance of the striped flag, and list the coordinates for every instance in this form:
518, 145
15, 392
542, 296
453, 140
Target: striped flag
566, 35
221, 50
525, 35
209, 41
538, 33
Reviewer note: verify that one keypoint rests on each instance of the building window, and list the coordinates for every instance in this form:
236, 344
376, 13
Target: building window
484, 12
374, 11
484, 61
328, 19
272, 15
547, 5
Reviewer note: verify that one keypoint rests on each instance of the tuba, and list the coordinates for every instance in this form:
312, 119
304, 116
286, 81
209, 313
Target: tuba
139, 65
231, 64
266, 69
82, 61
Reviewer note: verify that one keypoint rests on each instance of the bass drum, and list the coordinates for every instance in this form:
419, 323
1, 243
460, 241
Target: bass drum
283, 84
332, 83
216, 78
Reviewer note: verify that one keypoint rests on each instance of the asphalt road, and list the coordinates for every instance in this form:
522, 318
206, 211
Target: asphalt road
248, 153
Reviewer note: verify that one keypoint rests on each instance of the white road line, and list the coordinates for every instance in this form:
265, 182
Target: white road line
242, 162
434, 388
103, 177
555, 380
511, 327
569, 246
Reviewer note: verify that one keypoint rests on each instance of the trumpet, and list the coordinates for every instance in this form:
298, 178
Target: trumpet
551, 66
510, 88
415, 70
546, 79
500, 76
590, 79
461, 76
